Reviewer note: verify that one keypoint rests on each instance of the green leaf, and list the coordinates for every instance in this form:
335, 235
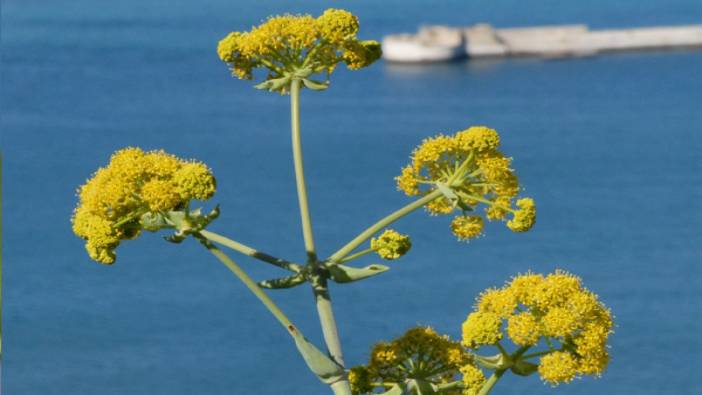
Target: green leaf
346, 274
524, 368
283, 282
315, 85
184, 222
494, 362
265, 85
274, 84
178, 219
153, 222
321, 365
397, 389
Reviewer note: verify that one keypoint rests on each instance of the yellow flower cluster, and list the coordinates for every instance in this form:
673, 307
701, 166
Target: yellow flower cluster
556, 308
468, 169
481, 328
298, 44
134, 183
391, 245
359, 379
466, 227
421, 354
473, 379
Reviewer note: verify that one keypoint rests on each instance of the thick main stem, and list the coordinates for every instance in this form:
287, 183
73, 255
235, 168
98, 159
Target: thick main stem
300, 171
487, 387
373, 229
321, 291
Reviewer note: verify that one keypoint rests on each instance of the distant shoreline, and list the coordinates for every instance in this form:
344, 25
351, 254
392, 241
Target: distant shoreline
442, 44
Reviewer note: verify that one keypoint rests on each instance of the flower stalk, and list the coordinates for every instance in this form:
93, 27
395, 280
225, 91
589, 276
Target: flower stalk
248, 281
491, 381
305, 216
382, 223
318, 277
252, 252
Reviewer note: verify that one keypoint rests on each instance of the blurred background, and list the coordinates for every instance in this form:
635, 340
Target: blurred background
608, 146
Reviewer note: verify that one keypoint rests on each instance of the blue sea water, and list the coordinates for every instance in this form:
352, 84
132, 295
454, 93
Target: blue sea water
609, 147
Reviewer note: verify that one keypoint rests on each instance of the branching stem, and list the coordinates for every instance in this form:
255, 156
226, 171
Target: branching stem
252, 252
373, 229
318, 278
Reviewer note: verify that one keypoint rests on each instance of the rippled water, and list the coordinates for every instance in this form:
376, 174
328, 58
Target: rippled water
609, 147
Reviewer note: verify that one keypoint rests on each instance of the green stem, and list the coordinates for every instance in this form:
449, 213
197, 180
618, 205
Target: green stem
299, 170
326, 317
329, 329
373, 229
488, 202
439, 388
520, 351
487, 387
246, 250
318, 279
382, 384
459, 172
356, 255
537, 354
249, 282
502, 350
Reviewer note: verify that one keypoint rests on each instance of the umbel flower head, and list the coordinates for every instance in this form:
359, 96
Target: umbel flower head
556, 309
420, 354
139, 190
391, 245
469, 170
298, 46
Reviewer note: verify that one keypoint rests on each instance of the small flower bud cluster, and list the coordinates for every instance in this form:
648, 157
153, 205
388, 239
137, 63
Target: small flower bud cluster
391, 245
135, 183
556, 308
288, 44
469, 165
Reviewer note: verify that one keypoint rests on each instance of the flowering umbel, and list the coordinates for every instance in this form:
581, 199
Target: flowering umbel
420, 356
468, 169
139, 190
571, 321
298, 46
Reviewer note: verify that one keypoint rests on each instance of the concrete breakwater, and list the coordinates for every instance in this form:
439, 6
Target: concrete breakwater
443, 43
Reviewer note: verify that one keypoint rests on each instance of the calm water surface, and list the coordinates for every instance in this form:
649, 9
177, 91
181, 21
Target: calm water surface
609, 147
